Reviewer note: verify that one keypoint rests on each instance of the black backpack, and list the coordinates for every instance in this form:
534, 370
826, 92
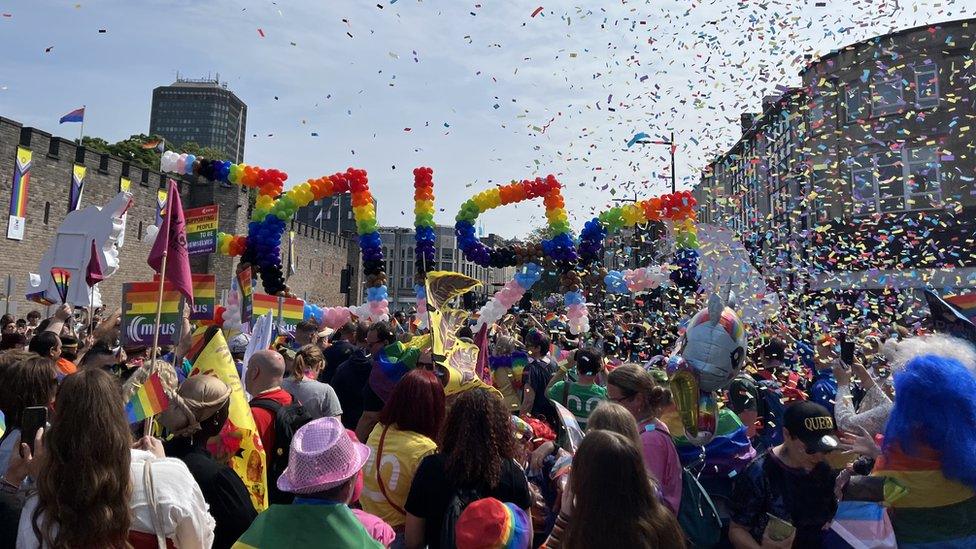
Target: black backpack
460, 501
287, 421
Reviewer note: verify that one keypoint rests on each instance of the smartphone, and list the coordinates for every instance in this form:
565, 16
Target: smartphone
778, 529
33, 418
847, 353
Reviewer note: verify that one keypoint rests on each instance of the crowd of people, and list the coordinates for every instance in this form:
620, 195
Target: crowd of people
373, 440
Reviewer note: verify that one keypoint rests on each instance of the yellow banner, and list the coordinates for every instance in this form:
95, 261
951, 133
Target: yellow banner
125, 184
443, 286
238, 444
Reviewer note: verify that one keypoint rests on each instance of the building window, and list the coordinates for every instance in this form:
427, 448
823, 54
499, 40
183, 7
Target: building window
887, 96
923, 178
817, 113
927, 85
47, 212
855, 102
895, 180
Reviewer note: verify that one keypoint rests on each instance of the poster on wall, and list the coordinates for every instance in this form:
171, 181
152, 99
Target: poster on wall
18, 195
201, 230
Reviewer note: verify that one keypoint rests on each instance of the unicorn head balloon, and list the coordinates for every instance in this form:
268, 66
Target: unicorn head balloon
715, 345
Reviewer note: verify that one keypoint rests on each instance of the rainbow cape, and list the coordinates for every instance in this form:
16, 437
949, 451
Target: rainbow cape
935, 511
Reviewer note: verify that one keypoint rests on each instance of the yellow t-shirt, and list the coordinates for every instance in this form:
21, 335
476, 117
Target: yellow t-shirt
402, 453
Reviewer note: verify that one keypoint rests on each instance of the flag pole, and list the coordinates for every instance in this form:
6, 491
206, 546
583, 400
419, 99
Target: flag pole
163, 233
81, 134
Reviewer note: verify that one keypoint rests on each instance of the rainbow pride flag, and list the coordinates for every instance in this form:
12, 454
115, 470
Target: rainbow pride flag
139, 313
148, 400
935, 511
292, 310
965, 303
21, 183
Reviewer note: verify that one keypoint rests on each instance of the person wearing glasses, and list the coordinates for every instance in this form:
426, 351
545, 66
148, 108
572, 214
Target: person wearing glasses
791, 483
633, 388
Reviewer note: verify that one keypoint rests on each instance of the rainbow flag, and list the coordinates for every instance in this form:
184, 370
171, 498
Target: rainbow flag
77, 115
935, 511
22, 172
965, 303
292, 310
247, 294
149, 400
77, 187
139, 313
204, 295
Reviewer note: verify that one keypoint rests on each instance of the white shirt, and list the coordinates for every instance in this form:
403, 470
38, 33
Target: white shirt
184, 513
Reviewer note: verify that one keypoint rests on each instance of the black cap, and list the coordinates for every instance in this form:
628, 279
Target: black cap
589, 361
812, 424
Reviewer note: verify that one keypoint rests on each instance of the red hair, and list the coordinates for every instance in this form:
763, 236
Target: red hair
417, 404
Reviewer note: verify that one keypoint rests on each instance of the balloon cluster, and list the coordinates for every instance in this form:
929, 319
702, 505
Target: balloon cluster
330, 317
559, 247
576, 313
508, 296
637, 280
677, 209
272, 210
423, 211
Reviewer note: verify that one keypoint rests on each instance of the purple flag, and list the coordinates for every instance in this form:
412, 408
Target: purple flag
171, 242
93, 273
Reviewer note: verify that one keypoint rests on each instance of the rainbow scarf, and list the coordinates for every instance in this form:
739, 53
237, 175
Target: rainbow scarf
935, 511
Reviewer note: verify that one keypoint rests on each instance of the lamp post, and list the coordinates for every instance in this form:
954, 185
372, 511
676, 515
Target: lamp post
672, 146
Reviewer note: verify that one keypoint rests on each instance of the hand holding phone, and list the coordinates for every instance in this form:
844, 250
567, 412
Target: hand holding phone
33, 418
778, 529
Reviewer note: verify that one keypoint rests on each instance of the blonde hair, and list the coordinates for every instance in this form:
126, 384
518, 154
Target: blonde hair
610, 416
308, 358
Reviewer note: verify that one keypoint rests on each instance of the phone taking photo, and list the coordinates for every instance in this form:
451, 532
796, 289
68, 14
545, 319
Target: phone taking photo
778, 529
33, 418
847, 353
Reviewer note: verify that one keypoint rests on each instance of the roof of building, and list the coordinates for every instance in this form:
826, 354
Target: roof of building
867, 41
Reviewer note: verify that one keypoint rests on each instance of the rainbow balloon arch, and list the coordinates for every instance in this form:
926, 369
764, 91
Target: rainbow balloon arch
574, 261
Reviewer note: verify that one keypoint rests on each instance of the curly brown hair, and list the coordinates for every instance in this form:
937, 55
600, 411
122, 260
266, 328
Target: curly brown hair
84, 482
477, 438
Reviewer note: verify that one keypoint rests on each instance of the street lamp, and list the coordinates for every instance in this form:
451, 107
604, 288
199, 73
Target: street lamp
644, 139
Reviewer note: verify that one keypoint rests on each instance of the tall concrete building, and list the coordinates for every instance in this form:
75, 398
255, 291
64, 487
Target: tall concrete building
203, 111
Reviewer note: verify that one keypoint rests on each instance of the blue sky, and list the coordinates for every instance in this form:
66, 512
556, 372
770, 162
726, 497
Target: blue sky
489, 92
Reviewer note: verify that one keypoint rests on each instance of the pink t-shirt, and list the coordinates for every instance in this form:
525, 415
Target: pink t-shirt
661, 461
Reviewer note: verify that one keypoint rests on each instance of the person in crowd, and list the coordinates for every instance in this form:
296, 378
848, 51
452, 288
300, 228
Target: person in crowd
238, 348
323, 464
743, 399
265, 373
823, 388
306, 333
633, 388
609, 500
352, 377
610, 416
929, 446
33, 318
409, 426
489, 524
16, 341
94, 489
322, 342
32, 381
8, 324
319, 399
792, 482
475, 461
536, 378
344, 343
582, 396
193, 418
398, 324
48, 345
378, 337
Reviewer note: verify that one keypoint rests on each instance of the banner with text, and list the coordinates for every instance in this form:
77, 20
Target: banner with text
201, 229
139, 313
292, 310
204, 296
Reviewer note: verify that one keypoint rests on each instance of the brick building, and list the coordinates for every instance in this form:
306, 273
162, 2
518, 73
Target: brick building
320, 258
862, 178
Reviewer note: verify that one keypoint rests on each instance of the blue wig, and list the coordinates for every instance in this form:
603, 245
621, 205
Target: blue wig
935, 404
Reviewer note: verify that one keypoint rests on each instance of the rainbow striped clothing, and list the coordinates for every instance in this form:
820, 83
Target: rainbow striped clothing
936, 511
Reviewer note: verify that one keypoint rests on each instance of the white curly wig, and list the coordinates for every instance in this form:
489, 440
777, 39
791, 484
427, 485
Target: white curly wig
899, 353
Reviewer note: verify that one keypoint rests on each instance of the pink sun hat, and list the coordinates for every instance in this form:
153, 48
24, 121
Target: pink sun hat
322, 456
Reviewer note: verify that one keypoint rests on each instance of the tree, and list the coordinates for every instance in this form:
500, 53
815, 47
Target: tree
141, 150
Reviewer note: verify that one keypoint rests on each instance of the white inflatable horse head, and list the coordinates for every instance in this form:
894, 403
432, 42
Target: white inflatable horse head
72, 249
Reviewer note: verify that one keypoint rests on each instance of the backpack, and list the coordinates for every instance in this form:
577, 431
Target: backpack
770, 408
460, 501
697, 515
287, 421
